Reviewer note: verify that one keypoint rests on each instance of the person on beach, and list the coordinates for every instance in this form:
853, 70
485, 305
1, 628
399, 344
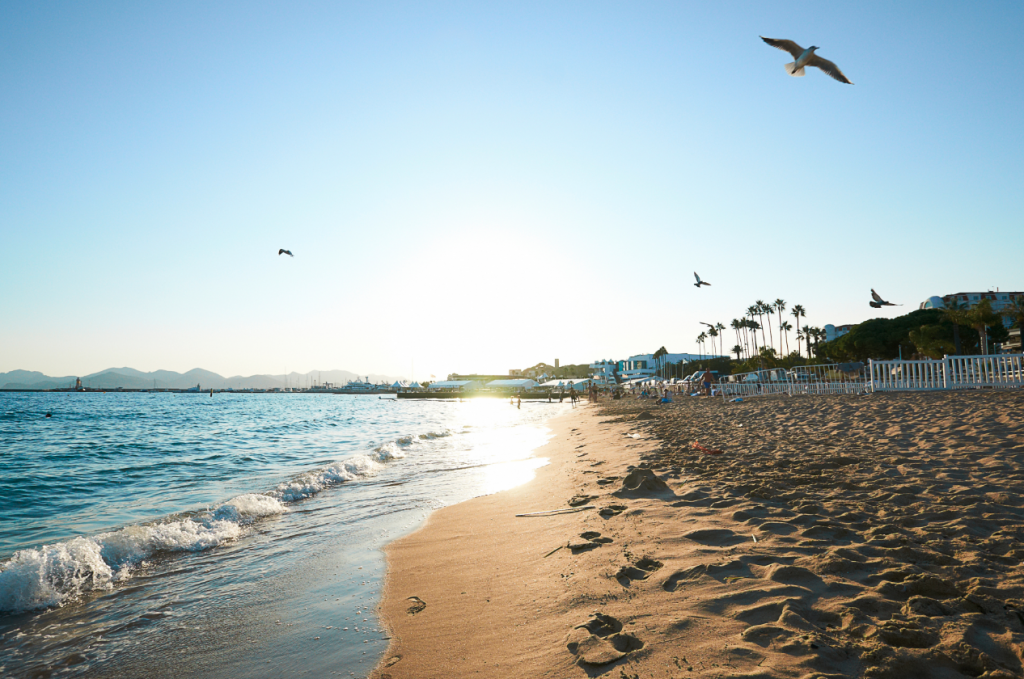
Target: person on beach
706, 380
519, 402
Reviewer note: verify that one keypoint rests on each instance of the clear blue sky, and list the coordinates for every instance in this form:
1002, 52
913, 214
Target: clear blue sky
439, 169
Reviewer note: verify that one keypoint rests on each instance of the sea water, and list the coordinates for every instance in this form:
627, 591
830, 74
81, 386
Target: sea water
239, 535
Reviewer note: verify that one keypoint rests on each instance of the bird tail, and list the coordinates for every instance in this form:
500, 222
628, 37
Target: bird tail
793, 70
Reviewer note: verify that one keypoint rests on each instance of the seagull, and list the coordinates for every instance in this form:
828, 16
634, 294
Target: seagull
699, 281
707, 324
879, 302
282, 251
806, 57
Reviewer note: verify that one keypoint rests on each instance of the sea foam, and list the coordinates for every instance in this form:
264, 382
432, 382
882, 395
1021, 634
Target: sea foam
55, 574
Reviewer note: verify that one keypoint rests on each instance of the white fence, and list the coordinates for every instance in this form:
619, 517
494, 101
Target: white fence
1003, 371
834, 378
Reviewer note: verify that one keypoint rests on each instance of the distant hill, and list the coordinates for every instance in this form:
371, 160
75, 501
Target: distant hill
27, 379
130, 378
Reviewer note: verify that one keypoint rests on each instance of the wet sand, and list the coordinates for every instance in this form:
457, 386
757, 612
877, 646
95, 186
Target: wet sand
844, 536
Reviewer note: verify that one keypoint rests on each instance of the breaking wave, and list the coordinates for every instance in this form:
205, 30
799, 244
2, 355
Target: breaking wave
54, 575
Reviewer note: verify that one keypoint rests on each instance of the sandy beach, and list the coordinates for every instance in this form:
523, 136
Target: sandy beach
846, 536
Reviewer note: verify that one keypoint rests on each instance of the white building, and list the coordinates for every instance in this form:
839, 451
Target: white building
639, 365
999, 301
576, 384
455, 385
603, 371
836, 331
517, 385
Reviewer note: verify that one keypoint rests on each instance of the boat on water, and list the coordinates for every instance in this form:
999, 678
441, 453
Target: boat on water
360, 387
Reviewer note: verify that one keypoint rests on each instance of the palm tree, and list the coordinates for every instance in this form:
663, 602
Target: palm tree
979, 318
818, 334
752, 311
798, 311
713, 333
1015, 310
768, 310
785, 327
956, 313
701, 338
735, 325
808, 334
657, 358
721, 346
780, 306
761, 306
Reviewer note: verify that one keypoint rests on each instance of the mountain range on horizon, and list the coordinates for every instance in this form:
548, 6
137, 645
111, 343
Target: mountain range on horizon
130, 378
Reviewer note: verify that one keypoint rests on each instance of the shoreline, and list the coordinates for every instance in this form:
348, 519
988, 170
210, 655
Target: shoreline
833, 536
477, 590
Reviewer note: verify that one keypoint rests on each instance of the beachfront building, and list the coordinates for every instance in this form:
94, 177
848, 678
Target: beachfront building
645, 365
604, 371
575, 384
512, 385
455, 385
474, 377
999, 301
836, 331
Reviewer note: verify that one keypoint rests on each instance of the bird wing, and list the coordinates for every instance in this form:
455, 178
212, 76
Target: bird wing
828, 67
696, 276
875, 296
787, 46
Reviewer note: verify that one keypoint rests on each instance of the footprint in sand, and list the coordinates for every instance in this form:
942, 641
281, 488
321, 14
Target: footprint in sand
737, 569
594, 536
591, 540
641, 570
642, 482
578, 500
418, 605
600, 641
612, 510
717, 537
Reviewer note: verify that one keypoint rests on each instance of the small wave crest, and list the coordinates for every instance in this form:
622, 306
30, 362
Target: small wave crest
55, 574
356, 467
435, 434
350, 469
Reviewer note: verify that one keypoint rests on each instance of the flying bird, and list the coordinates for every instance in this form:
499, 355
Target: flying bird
806, 57
707, 324
879, 302
282, 251
699, 281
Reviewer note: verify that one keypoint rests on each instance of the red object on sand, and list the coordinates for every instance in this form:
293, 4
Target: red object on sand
706, 451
